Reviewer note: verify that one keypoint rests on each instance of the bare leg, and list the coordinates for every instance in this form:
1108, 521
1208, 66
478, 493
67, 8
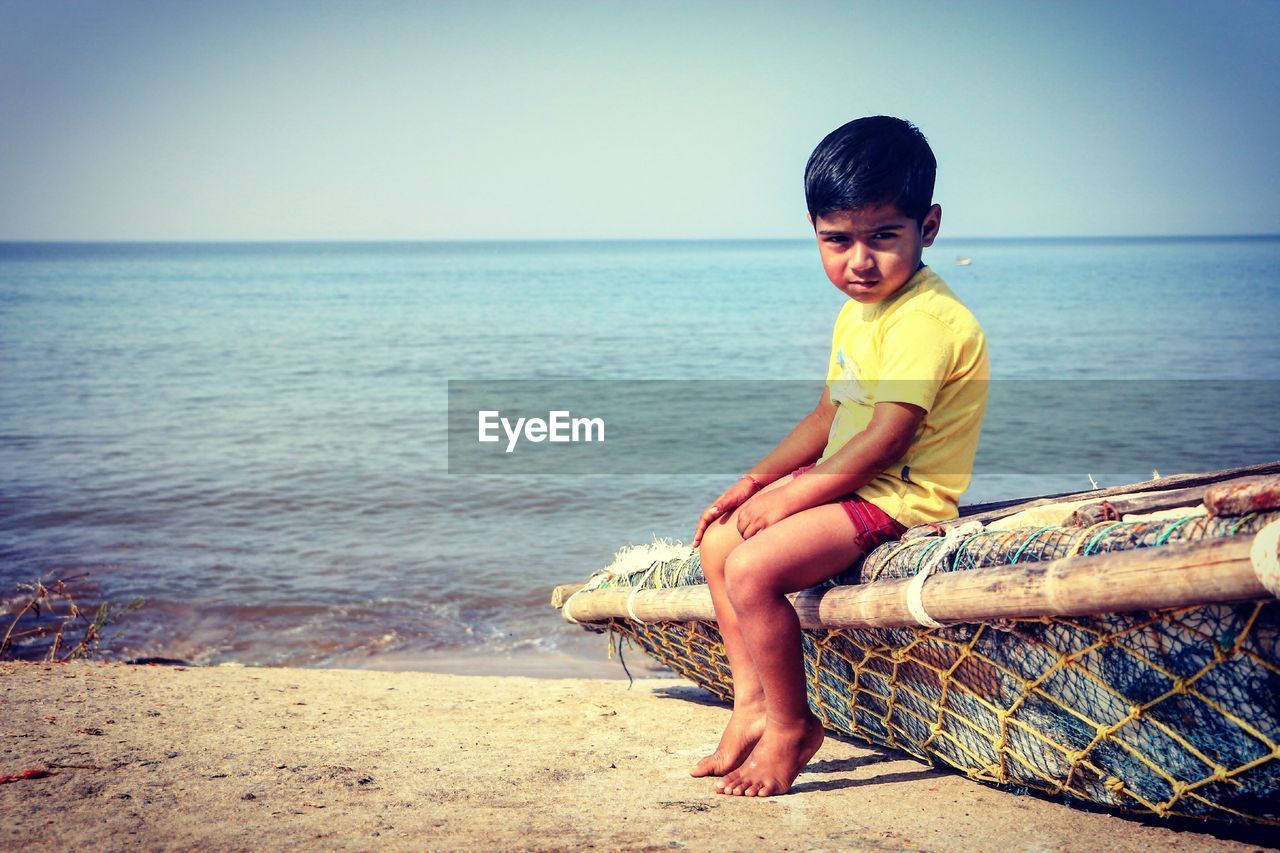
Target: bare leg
797, 552
746, 724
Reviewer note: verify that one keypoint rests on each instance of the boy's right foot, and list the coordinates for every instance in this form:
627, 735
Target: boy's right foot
740, 737
773, 765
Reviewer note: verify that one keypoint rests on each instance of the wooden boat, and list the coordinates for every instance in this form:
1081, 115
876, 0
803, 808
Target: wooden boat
1119, 646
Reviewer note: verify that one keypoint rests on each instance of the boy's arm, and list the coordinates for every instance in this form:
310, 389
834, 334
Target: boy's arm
886, 438
802, 445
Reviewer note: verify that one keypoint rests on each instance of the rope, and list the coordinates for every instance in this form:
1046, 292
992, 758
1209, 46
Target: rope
1093, 543
1030, 539
631, 599
947, 546
1265, 556
915, 601
1173, 528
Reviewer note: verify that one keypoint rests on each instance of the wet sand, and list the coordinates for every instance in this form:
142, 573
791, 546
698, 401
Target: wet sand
248, 758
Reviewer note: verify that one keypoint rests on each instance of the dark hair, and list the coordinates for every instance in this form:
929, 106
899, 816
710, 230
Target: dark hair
871, 161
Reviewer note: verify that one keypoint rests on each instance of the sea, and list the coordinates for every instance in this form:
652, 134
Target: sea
249, 451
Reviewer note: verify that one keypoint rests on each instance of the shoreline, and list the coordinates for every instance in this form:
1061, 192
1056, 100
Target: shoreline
246, 757
529, 663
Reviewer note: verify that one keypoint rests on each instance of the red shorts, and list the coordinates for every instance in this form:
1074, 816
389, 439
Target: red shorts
873, 525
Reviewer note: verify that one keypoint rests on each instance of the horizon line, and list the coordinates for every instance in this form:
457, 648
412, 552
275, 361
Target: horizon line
490, 240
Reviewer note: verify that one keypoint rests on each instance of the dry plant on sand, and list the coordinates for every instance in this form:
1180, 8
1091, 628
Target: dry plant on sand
46, 622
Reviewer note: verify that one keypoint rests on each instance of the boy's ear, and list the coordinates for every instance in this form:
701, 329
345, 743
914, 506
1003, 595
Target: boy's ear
929, 225
809, 216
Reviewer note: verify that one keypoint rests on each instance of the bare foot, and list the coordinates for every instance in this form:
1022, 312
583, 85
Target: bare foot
739, 738
776, 760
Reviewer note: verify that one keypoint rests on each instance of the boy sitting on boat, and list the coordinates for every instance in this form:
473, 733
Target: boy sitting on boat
890, 444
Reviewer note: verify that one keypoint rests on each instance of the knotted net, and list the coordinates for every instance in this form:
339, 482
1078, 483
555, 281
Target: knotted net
1173, 712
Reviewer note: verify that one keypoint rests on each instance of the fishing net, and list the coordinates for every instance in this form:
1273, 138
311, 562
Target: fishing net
1173, 712
1041, 544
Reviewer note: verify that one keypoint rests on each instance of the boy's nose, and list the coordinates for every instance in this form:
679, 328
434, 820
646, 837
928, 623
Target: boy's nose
859, 258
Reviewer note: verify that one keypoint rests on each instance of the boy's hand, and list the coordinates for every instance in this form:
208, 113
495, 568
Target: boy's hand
732, 498
764, 509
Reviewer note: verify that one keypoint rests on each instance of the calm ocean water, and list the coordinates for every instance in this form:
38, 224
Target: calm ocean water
253, 438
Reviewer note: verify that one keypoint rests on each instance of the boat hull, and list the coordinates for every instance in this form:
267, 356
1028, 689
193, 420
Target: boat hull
1171, 712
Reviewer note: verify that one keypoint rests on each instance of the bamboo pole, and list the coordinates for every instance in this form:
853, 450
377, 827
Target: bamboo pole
1213, 571
1145, 502
987, 512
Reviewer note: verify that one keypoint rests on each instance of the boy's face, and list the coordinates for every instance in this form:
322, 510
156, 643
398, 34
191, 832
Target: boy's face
871, 252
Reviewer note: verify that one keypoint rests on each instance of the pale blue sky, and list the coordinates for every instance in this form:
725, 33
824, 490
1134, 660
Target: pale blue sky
530, 120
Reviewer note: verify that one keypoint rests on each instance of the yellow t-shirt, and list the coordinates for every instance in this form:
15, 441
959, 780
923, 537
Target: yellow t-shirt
920, 346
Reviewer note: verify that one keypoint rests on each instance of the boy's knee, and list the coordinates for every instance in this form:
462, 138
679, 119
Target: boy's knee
743, 579
717, 540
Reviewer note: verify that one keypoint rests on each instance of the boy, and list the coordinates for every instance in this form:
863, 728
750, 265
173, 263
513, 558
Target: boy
889, 445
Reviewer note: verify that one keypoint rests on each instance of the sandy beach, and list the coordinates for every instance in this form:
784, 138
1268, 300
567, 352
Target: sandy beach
241, 758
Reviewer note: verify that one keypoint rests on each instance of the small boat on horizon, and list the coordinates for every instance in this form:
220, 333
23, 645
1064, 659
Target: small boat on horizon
963, 262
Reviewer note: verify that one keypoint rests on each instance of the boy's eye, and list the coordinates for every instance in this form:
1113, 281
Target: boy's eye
884, 235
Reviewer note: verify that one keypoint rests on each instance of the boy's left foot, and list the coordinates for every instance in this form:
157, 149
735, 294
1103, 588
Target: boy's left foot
776, 761
740, 737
